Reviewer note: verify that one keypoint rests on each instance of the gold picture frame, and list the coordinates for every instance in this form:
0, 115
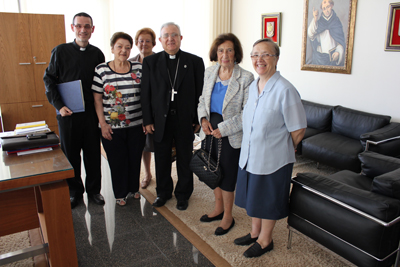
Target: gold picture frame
271, 27
328, 35
393, 28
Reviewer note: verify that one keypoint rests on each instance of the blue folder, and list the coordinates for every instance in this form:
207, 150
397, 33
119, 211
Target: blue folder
72, 96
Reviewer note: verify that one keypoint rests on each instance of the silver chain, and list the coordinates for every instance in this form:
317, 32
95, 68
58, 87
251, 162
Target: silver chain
209, 153
176, 74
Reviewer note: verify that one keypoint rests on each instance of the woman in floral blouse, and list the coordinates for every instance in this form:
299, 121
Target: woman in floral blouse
116, 90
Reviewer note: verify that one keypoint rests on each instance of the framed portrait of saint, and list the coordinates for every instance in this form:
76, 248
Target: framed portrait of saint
328, 35
271, 27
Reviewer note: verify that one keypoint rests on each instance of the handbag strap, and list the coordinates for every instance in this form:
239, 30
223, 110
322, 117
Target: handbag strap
219, 153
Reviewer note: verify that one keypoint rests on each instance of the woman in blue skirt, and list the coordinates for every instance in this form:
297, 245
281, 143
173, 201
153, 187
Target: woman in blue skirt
274, 122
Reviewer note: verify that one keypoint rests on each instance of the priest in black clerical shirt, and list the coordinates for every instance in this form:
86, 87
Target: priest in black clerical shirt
78, 131
172, 83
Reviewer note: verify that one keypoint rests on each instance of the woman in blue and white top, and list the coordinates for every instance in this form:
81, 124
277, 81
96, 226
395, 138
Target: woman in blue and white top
116, 90
220, 108
274, 122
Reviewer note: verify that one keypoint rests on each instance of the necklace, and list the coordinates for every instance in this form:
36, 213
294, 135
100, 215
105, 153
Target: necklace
173, 92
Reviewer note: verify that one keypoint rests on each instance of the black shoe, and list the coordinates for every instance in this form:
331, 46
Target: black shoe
97, 198
222, 231
245, 240
159, 202
205, 218
74, 201
256, 250
182, 204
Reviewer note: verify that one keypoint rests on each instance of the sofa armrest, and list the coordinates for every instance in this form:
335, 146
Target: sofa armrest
390, 134
374, 164
378, 208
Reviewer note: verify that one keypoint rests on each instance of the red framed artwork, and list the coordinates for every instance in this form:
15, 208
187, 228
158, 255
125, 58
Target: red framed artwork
393, 28
271, 27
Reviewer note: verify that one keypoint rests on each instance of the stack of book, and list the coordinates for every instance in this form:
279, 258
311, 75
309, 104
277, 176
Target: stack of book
28, 138
31, 127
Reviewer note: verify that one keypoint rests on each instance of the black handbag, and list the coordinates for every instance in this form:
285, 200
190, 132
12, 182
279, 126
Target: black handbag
205, 167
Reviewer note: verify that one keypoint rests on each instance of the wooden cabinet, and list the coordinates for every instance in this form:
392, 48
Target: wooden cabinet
26, 41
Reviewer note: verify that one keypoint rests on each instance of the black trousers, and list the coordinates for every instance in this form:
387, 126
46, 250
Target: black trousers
80, 132
124, 154
183, 138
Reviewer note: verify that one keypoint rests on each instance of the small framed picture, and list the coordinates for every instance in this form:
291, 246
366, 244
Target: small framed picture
271, 27
393, 28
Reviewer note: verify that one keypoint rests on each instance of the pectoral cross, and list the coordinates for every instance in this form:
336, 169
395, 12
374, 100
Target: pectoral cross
173, 93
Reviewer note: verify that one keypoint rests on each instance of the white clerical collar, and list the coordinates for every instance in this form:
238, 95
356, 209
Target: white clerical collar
82, 48
172, 56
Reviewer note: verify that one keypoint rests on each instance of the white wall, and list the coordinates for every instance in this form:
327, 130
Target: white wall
373, 85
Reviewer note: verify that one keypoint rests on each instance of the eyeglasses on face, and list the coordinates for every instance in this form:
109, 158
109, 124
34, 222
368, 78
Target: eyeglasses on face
262, 56
172, 35
86, 26
144, 41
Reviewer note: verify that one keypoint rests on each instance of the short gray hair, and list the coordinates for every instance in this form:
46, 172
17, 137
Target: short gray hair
268, 40
170, 24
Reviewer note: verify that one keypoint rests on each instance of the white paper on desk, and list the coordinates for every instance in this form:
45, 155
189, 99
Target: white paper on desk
9, 133
32, 130
34, 151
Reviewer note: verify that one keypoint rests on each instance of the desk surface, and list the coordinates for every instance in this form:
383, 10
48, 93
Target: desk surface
33, 193
33, 169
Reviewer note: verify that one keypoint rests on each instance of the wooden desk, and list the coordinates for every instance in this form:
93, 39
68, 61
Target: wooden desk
34, 193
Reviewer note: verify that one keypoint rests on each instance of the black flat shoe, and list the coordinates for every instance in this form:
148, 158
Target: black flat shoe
205, 218
97, 198
75, 201
256, 250
182, 204
245, 240
159, 202
222, 231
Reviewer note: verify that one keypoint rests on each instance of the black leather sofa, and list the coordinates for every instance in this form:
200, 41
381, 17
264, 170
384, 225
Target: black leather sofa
357, 216
335, 135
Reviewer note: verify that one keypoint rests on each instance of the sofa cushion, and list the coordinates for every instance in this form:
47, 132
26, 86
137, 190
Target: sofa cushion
334, 150
353, 123
374, 164
387, 184
353, 179
318, 116
311, 132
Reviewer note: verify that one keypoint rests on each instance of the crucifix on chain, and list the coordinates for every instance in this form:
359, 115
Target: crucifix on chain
173, 93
